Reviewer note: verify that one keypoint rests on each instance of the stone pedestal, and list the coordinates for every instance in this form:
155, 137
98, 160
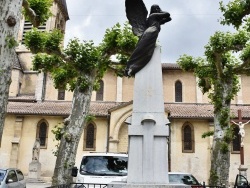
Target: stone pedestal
148, 130
34, 170
243, 170
126, 185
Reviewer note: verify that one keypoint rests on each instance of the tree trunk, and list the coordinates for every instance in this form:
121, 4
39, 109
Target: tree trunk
220, 158
10, 15
73, 128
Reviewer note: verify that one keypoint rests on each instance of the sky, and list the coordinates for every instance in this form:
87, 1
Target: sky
193, 22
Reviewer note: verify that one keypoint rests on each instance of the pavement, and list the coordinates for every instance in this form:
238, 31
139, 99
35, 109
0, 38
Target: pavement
37, 185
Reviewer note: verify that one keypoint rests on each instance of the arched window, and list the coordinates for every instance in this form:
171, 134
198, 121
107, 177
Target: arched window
178, 91
187, 138
42, 133
61, 94
236, 140
89, 137
99, 92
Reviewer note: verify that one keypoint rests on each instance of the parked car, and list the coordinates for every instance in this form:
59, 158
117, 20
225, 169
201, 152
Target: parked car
241, 182
11, 177
183, 178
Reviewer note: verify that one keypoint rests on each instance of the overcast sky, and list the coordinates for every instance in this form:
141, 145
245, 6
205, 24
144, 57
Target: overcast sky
193, 22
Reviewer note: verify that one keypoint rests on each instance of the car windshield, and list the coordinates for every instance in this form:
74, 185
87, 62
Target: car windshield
187, 179
2, 174
104, 165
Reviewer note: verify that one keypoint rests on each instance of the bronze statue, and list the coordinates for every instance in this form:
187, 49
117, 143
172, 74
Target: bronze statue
147, 29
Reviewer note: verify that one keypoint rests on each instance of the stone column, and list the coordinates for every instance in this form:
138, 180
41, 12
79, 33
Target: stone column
39, 86
119, 89
16, 142
148, 132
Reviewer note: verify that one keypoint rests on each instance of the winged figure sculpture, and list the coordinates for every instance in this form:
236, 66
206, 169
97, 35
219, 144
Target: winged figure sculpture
147, 29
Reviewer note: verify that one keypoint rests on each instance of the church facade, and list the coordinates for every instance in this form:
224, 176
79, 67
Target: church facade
36, 109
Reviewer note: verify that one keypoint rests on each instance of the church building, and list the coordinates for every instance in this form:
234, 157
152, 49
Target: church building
36, 108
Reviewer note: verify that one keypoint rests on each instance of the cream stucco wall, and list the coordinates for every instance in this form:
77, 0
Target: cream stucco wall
245, 81
197, 162
110, 84
15, 80
101, 140
8, 134
188, 85
128, 89
28, 84
27, 139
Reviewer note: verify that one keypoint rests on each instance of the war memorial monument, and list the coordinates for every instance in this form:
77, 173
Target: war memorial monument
148, 128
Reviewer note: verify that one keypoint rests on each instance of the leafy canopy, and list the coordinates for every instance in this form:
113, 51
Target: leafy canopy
226, 56
38, 8
73, 65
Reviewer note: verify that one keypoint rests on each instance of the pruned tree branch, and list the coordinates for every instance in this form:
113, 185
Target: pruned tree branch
31, 13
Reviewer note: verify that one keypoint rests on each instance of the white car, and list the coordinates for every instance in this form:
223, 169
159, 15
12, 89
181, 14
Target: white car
183, 178
102, 168
11, 177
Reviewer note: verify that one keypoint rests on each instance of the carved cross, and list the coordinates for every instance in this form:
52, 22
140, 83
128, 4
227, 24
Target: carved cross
241, 128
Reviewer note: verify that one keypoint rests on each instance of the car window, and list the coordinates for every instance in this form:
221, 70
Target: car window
2, 174
19, 175
187, 179
12, 175
241, 180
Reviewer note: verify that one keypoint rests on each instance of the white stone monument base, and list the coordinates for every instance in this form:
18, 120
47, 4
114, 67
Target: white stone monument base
34, 170
243, 170
129, 185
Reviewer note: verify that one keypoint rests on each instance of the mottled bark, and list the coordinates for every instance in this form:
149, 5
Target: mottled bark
220, 157
10, 15
220, 160
74, 126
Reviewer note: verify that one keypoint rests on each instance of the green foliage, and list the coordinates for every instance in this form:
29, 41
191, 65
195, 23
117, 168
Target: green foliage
89, 118
234, 12
86, 56
213, 177
227, 55
58, 132
224, 147
229, 135
11, 42
188, 63
224, 117
48, 42
79, 62
41, 8
118, 40
244, 56
207, 134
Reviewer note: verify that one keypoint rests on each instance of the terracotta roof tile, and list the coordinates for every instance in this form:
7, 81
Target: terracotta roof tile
100, 108
180, 110
171, 66
16, 64
188, 110
57, 108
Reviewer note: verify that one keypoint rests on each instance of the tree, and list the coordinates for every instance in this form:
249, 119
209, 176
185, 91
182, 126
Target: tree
77, 68
227, 55
37, 11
